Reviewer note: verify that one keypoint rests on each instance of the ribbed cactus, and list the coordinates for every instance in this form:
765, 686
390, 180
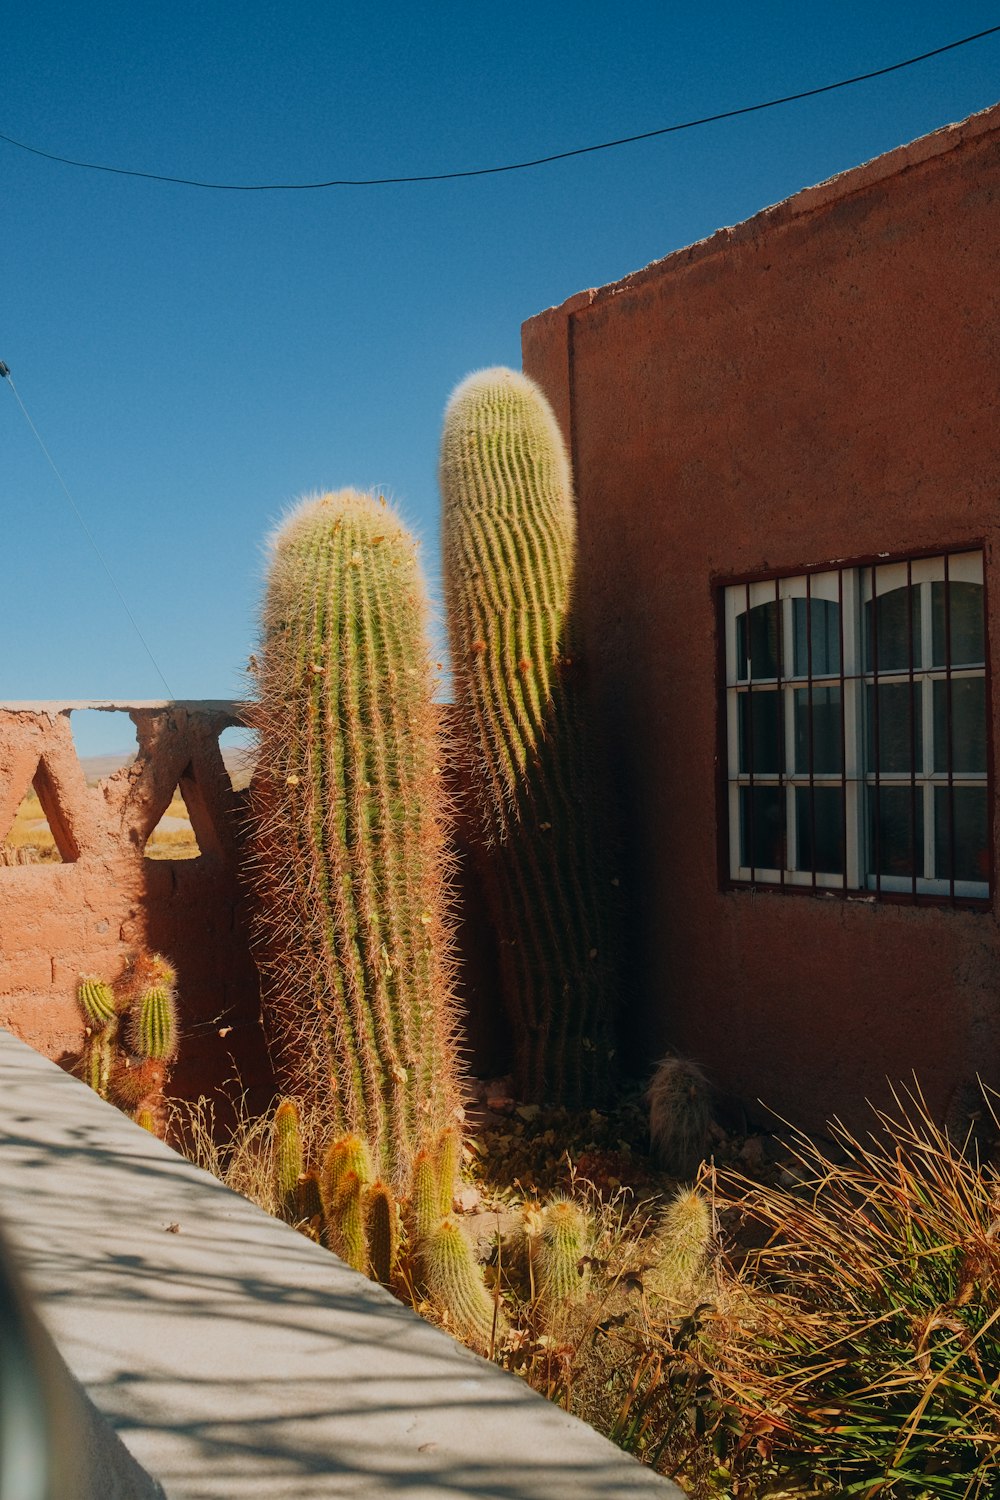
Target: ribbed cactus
350, 846
286, 1153
97, 1001
447, 1161
346, 1223
560, 1272
97, 1061
381, 1231
455, 1284
348, 1153
153, 1029
146, 1120
425, 1198
509, 558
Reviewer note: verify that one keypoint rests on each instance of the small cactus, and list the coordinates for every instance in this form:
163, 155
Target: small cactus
346, 1223
559, 1249
133, 1079
97, 1001
425, 1198
146, 1120
308, 1203
455, 1285
680, 1113
348, 1153
286, 1148
683, 1238
97, 1062
153, 1024
447, 1161
381, 1231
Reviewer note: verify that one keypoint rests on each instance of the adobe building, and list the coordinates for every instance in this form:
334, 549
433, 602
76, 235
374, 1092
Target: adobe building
787, 460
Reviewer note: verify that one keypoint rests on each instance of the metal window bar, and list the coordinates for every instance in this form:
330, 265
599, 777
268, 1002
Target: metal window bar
779, 689
913, 730
843, 724
809, 712
949, 733
876, 745
751, 848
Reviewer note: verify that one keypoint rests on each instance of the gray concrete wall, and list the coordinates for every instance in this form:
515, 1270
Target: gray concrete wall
236, 1359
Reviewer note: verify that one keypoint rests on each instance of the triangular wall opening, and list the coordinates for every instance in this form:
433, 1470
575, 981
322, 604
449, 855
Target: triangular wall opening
174, 836
239, 746
39, 834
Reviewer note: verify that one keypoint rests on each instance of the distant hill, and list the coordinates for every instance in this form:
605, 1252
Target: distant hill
97, 767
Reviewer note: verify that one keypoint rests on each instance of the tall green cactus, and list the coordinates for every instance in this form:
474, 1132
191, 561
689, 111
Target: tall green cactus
509, 561
350, 857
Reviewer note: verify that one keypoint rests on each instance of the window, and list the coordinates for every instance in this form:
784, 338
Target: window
856, 729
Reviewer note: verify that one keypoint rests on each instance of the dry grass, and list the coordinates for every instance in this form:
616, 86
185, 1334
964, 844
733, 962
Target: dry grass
30, 839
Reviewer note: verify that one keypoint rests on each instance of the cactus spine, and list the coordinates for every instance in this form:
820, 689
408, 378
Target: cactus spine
350, 843
509, 560
287, 1156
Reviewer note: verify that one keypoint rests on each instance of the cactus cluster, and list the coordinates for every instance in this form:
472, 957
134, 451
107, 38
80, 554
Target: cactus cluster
350, 841
132, 1033
509, 544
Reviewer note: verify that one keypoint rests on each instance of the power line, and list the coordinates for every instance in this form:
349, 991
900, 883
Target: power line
6, 375
516, 166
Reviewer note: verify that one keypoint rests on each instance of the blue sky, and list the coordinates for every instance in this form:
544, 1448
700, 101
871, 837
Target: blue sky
194, 360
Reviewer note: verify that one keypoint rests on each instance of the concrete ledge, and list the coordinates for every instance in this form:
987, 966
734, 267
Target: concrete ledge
234, 1358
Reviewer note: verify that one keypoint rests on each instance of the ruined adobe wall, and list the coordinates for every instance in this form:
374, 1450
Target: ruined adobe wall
105, 898
819, 383
58, 921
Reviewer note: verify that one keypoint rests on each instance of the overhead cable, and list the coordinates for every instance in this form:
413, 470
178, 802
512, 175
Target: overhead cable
516, 166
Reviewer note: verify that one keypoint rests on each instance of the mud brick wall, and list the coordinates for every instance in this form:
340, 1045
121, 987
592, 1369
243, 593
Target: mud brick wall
85, 914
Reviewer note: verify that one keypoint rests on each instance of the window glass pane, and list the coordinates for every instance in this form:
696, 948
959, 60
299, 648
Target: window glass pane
968, 810
762, 827
763, 658
827, 740
816, 621
900, 731
968, 724
896, 830
819, 818
887, 635
968, 636
760, 752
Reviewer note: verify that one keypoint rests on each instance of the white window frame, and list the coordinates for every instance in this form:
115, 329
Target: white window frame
850, 588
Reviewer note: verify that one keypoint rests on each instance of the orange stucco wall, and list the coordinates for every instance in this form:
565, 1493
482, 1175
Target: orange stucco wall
819, 383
